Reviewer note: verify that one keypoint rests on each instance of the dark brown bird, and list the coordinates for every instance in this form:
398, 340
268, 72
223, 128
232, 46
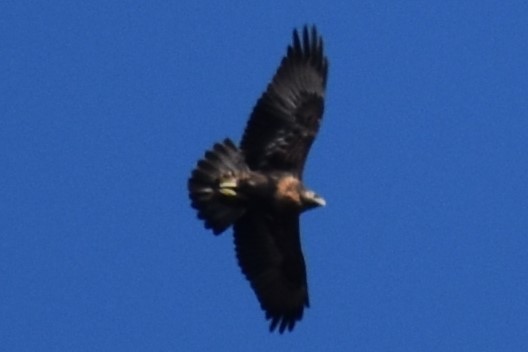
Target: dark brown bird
258, 186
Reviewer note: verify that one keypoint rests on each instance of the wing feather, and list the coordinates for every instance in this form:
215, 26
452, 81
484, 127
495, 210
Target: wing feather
286, 118
269, 253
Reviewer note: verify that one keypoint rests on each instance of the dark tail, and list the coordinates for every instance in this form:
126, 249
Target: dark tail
212, 186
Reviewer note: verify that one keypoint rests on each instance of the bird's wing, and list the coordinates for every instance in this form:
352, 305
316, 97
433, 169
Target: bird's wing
286, 118
269, 253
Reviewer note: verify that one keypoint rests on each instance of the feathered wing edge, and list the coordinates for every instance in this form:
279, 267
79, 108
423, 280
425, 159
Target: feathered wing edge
269, 254
286, 118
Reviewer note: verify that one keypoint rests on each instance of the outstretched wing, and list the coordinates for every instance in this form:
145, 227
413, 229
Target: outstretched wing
286, 119
269, 253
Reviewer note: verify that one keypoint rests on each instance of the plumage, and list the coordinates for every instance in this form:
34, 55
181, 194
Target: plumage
257, 188
286, 118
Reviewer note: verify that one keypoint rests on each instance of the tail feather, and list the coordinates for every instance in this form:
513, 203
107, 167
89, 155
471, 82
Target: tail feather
218, 207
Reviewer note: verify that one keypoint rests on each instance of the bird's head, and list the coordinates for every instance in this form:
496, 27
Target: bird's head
291, 193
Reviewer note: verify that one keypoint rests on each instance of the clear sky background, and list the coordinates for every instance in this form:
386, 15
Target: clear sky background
422, 157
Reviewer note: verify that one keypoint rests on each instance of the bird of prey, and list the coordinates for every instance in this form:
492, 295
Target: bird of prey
257, 187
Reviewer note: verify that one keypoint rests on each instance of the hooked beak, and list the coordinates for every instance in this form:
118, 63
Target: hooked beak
319, 201
312, 200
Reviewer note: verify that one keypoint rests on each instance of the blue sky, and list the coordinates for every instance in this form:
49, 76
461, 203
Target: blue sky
422, 158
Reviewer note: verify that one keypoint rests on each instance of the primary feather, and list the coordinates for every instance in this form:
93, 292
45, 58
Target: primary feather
287, 116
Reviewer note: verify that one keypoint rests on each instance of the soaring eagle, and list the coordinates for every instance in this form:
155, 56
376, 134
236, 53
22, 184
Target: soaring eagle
257, 187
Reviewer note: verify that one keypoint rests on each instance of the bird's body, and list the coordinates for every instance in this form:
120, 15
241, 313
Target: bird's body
258, 187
